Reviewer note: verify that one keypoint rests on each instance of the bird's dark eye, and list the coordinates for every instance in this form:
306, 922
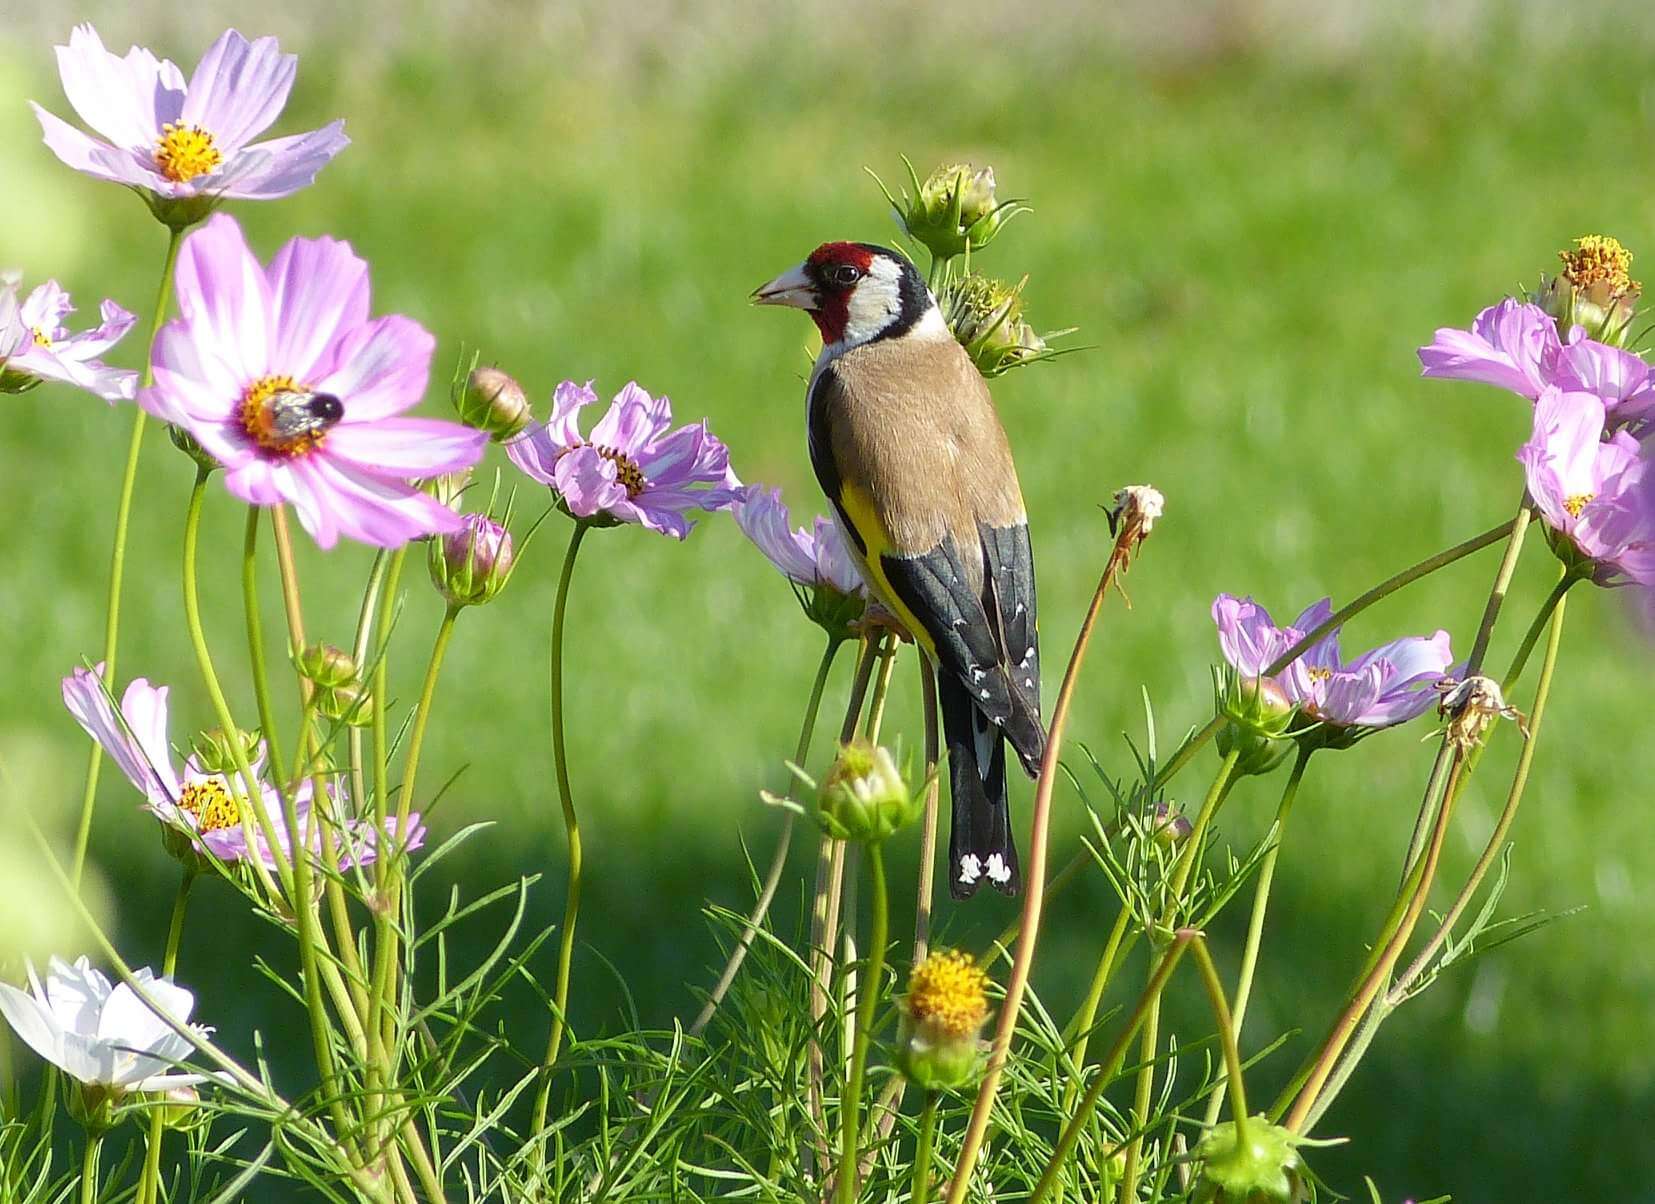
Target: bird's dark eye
845, 275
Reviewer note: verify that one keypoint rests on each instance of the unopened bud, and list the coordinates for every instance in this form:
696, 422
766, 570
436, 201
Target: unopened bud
218, 751
864, 796
449, 488
350, 703
1261, 1165
986, 317
180, 1108
1259, 714
1169, 826
953, 210
939, 1038
470, 566
327, 665
490, 400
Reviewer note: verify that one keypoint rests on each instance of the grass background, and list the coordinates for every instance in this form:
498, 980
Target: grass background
1253, 212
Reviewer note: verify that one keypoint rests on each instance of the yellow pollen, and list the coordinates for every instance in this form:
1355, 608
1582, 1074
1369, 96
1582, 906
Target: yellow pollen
210, 804
1576, 503
947, 990
1316, 673
627, 471
1600, 260
257, 417
185, 152
41, 338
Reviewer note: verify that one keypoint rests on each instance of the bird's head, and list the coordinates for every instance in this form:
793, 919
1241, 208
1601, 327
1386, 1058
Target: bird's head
855, 292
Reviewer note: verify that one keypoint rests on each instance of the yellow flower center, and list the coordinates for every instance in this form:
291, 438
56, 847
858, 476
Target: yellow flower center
1576, 503
948, 990
258, 417
41, 338
1599, 260
1317, 673
185, 152
627, 471
210, 804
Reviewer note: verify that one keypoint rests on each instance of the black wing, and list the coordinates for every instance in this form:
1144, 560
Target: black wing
1008, 570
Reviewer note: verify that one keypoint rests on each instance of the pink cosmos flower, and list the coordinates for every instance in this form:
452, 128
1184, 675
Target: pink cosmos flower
1515, 345
175, 141
281, 376
633, 468
206, 807
1591, 491
1381, 688
811, 557
35, 345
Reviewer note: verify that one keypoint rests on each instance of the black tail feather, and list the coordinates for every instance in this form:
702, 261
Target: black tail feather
980, 843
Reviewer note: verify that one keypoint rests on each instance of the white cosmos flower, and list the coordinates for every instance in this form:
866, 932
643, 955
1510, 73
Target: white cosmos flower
105, 1036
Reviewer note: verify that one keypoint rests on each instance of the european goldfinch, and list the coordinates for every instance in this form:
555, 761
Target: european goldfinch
907, 446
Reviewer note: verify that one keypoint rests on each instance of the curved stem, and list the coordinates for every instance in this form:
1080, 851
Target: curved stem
117, 553
1226, 1036
1081, 1026
151, 1175
1034, 899
778, 860
1389, 586
850, 1107
922, 1150
1553, 602
1261, 904
1082, 1115
571, 826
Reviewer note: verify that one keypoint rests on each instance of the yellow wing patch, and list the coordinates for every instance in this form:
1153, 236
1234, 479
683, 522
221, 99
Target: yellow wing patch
856, 505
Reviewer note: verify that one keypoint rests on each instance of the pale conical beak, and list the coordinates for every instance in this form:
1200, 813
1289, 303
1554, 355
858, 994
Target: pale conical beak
792, 287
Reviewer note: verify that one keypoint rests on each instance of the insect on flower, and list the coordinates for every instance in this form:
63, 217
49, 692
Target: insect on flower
288, 417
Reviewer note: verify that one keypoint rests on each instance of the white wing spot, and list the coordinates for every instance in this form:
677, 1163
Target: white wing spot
971, 868
1029, 682
998, 870
978, 675
1027, 657
984, 694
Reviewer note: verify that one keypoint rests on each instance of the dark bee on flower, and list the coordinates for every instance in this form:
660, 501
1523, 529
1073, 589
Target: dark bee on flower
295, 414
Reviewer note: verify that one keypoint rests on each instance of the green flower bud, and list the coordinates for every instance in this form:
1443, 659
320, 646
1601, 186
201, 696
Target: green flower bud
1169, 826
1264, 1169
939, 1037
1595, 289
864, 797
350, 703
449, 488
1259, 713
216, 750
92, 1105
180, 1109
470, 566
186, 443
490, 400
327, 665
954, 210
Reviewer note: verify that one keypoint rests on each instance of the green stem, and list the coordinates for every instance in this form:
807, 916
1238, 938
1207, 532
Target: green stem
881, 687
1397, 993
778, 860
1226, 1036
1181, 870
1081, 1117
117, 553
1261, 904
1553, 602
255, 639
1080, 1027
151, 1176
254, 797
89, 1167
571, 827
922, 1150
924, 888
867, 997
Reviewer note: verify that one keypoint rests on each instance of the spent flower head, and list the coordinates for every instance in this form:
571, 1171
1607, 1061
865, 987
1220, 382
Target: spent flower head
953, 210
105, 1036
986, 316
1594, 289
185, 146
1258, 1164
1592, 491
282, 378
632, 468
36, 344
865, 797
815, 558
939, 1039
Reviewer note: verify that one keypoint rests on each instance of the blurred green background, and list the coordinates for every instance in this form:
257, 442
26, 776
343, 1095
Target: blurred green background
1254, 213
